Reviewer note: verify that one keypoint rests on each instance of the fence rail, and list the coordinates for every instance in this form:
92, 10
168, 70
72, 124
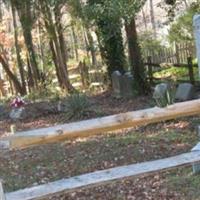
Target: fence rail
150, 66
177, 53
99, 125
92, 127
101, 177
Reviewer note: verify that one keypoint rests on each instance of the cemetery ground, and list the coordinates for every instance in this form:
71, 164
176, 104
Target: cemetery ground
41, 164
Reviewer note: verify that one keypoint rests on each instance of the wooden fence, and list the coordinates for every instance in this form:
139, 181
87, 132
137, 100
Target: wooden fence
177, 53
100, 177
92, 127
152, 67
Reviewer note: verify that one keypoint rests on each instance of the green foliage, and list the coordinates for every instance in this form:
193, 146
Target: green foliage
148, 42
175, 73
78, 106
182, 29
107, 15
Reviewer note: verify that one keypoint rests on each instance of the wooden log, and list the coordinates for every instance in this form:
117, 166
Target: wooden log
100, 125
102, 177
2, 195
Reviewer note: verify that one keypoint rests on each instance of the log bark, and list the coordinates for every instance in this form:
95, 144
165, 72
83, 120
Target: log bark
101, 125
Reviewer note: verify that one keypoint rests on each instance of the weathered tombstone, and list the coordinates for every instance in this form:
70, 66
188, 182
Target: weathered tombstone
62, 106
16, 113
184, 92
127, 85
116, 83
162, 94
196, 25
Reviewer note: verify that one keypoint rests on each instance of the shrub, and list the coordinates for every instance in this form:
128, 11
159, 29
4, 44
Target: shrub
78, 106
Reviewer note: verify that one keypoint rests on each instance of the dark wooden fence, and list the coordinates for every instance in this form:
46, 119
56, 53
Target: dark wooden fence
177, 53
181, 55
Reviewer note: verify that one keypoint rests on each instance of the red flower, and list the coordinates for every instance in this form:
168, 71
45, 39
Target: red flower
17, 103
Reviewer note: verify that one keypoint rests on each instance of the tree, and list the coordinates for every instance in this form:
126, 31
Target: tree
109, 34
18, 51
25, 13
51, 11
182, 29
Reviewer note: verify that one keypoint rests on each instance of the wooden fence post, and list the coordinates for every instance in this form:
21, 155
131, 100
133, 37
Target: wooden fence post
2, 195
196, 166
150, 71
190, 70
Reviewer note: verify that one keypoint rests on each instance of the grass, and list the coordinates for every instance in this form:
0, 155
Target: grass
176, 73
185, 182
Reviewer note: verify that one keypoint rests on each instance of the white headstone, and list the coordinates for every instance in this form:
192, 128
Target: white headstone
196, 25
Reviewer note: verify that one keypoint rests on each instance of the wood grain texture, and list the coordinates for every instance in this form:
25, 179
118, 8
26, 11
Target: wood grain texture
102, 177
101, 125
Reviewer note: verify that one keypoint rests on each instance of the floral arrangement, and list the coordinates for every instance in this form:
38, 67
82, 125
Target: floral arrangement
17, 103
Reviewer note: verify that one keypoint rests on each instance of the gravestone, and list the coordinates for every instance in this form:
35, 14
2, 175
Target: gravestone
196, 25
127, 85
184, 92
62, 106
17, 113
117, 83
162, 94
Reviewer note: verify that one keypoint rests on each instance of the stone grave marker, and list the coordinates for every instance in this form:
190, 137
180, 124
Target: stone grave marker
127, 85
184, 92
116, 83
17, 113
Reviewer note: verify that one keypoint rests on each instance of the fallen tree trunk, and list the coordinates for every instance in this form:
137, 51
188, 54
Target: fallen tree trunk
100, 125
102, 177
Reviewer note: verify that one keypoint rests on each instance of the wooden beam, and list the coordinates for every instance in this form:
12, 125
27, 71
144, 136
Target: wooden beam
100, 125
102, 177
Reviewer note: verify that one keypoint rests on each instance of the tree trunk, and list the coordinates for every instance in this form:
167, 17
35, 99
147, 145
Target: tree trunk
24, 12
30, 80
75, 43
58, 50
18, 51
144, 19
91, 46
135, 57
11, 76
58, 73
152, 17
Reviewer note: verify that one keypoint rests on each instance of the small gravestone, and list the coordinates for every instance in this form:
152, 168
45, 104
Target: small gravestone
116, 83
62, 106
17, 113
127, 85
162, 94
184, 92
